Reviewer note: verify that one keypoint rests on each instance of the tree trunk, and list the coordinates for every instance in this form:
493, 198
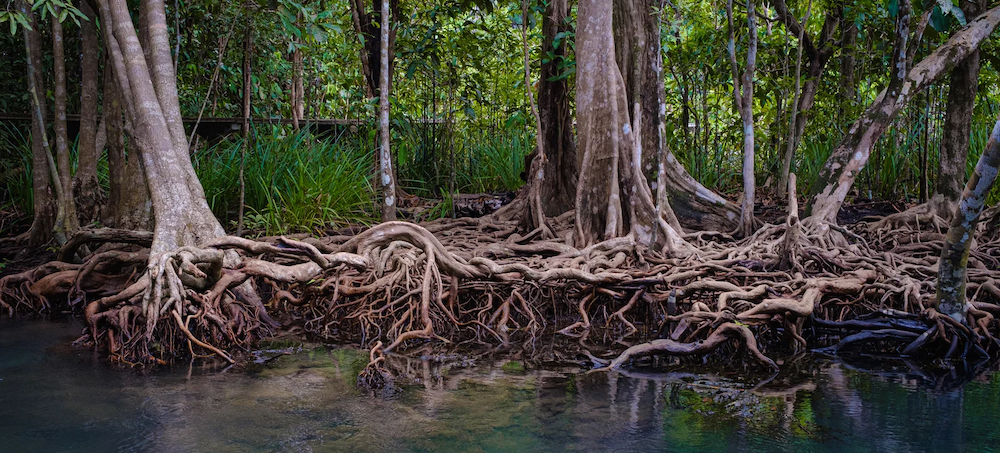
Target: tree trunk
85, 184
556, 117
612, 197
164, 77
128, 205
366, 26
245, 130
181, 213
298, 96
793, 135
950, 298
385, 157
849, 157
43, 224
816, 60
848, 40
639, 56
67, 206
743, 96
963, 85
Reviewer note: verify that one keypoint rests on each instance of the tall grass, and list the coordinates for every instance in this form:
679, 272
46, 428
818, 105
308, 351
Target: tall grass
293, 184
15, 170
483, 163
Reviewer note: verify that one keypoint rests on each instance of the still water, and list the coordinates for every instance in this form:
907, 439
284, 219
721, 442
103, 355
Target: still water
57, 399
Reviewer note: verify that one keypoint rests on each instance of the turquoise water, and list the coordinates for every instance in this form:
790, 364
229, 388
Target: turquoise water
54, 398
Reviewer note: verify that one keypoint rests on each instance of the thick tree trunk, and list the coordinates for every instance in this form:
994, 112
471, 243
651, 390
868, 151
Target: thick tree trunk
182, 216
950, 298
44, 208
129, 206
556, 117
67, 207
850, 156
612, 197
385, 157
743, 96
638, 54
85, 184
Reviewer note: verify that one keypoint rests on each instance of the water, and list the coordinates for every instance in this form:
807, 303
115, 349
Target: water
57, 399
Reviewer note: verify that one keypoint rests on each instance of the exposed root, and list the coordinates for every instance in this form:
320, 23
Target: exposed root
479, 282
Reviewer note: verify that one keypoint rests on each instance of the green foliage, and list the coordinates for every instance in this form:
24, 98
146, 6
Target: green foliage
15, 170
293, 184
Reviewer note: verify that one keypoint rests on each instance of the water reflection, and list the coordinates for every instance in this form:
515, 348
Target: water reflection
53, 398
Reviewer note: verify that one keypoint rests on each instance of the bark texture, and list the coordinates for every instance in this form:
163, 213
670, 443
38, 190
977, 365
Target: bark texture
66, 209
743, 96
182, 216
128, 206
385, 157
817, 53
962, 87
612, 198
44, 196
85, 184
951, 286
559, 184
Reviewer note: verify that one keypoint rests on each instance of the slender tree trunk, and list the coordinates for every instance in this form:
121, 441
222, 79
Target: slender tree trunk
950, 298
962, 87
245, 131
848, 90
850, 156
298, 95
43, 224
793, 135
85, 184
385, 157
817, 56
165, 78
743, 96
67, 206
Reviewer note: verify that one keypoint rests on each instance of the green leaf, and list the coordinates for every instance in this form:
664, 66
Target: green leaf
938, 21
